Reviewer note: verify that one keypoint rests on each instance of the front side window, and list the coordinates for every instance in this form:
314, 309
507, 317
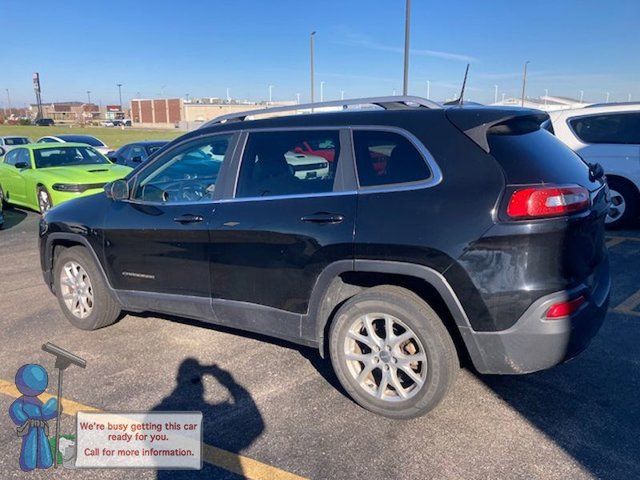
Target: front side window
10, 157
23, 157
16, 141
289, 163
621, 128
185, 175
67, 157
387, 158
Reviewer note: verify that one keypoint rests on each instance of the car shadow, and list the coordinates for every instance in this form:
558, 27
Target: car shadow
12, 217
232, 425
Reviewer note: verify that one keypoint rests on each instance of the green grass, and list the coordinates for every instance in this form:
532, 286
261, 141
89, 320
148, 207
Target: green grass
114, 137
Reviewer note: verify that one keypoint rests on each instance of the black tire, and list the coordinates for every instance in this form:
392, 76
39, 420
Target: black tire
442, 364
41, 206
105, 308
621, 191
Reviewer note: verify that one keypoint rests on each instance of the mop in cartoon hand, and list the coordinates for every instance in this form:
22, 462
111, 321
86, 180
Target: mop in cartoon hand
32, 416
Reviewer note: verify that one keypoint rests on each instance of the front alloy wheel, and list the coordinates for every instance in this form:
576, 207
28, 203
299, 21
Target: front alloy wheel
76, 289
44, 200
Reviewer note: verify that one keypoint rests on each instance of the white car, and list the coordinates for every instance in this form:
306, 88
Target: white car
94, 142
305, 166
10, 142
607, 134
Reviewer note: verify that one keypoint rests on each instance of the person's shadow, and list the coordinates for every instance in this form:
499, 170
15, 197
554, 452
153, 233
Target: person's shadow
232, 425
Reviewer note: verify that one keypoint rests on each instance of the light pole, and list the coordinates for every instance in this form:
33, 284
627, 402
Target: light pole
270, 93
8, 101
322, 91
503, 95
311, 46
89, 97
607, 101
228, 96
342, 94
495, 95
524, 82
428, 90
629, 98
119, 85
407, 24
581, 95
298, 98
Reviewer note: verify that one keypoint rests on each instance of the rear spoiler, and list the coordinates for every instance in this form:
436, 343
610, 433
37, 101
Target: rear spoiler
478, 123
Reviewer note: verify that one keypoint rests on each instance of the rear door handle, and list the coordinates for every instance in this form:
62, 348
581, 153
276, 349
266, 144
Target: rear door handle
188, 218
323, 217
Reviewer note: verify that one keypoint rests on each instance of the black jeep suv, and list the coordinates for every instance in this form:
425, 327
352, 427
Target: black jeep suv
395, 240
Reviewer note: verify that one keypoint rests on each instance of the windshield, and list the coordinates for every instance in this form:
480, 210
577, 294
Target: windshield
67, 156
154, 148
16, 141
93, 141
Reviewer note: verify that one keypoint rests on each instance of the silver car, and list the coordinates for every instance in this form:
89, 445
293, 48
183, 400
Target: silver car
12, 141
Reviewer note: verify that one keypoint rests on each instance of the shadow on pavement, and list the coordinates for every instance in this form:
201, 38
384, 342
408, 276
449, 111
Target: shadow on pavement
12, 217
232, 425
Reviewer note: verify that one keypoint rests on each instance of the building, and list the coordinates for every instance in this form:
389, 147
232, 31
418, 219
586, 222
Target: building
548, 103
187, 114
68, 112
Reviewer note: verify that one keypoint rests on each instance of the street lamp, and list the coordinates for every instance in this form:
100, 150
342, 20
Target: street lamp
89, 97
119, 85
341, 94
8, 101
270, 93
407, 24
607, 101
322, 91
311, 46
428, 90
524, 82
495, 95
298, 98
581, 95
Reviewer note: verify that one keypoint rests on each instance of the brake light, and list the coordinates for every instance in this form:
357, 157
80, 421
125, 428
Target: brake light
565, 309
548, 201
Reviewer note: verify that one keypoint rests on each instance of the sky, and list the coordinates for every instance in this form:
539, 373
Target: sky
202, 48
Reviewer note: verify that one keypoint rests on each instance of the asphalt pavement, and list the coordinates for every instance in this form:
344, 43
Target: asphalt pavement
278, 409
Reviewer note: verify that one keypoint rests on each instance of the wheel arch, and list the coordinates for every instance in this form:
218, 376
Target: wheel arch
621, 178
341, 280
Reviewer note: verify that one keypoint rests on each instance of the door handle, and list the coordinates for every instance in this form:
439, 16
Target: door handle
188, 218
323, 217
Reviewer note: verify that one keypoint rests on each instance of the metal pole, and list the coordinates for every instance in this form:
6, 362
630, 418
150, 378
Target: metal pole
8, 101
322, 91
89, 96
607, 98
342, 94
495, 97
524, 82
311, 37
55, 454
407, 24
270, 93
581, 95
120, 94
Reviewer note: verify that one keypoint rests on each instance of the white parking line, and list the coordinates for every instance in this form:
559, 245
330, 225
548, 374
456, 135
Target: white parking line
629, 305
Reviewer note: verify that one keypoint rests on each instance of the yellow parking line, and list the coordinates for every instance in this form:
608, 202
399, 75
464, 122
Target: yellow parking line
629, 305
613, 241
230, 461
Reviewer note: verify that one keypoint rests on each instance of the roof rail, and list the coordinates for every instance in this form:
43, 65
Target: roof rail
387, 103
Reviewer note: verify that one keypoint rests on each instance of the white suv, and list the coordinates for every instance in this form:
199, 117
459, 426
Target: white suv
607, 134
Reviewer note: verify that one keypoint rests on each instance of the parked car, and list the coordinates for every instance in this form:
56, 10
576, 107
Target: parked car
133, 154
86, 139
9, 142
39, 176
482, 231
1, 213
44, 122
608, 134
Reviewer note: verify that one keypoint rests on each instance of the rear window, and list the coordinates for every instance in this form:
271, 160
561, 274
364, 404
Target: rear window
623, 128
94, 142
537, 157
16, 141
387, 158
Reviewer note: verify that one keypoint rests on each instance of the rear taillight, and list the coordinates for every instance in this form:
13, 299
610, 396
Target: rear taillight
565, 309
547, 201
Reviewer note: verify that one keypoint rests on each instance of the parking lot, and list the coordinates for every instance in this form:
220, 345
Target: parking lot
275, 410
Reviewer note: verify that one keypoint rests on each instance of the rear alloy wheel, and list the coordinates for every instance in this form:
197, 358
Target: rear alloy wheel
44, 199
623, 207
392, 353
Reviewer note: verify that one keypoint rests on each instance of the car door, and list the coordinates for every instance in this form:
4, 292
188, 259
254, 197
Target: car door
158, 240
286, 222
15, 188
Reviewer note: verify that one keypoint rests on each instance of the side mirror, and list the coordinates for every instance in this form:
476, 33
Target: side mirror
117, 190
21, 165
137, 159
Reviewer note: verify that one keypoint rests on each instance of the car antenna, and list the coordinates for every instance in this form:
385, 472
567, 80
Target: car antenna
460, 99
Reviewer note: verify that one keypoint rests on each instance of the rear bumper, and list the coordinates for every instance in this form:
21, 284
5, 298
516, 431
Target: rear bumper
534, 343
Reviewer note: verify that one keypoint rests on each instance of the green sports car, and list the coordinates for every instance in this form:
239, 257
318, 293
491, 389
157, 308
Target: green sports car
40, 176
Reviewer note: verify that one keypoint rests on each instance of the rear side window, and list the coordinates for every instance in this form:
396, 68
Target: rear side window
387, 158
289, 163
621, 128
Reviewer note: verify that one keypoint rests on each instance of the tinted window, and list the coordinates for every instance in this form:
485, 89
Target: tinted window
94, 142
16, 141
188, 174
385, 158
10, 157
610, 128
23, 157
285, 163
67, 156
137, 151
